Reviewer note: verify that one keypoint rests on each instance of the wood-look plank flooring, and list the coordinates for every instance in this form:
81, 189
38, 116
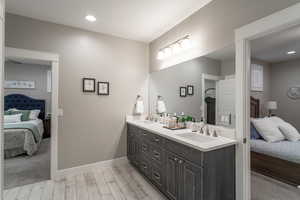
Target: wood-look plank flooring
123, 182
120, 182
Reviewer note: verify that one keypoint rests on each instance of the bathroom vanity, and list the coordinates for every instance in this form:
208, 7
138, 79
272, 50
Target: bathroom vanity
181, 164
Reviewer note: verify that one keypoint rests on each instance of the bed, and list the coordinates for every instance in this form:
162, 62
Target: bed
23, 137
280, 160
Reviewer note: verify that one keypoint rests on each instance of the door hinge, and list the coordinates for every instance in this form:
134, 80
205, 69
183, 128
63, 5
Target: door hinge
245, 140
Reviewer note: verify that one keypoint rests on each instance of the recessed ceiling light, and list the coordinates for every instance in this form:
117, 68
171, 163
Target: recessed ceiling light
291, 52
90, 18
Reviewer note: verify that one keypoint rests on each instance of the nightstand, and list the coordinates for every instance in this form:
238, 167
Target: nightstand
47, 127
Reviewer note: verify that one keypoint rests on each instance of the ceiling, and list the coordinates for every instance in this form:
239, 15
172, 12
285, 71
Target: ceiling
271, 48
21, 61
141, 20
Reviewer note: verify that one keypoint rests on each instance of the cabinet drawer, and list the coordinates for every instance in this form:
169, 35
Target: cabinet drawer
157, 154
188, 153
156, 139
145, 167
157, 176
145, 148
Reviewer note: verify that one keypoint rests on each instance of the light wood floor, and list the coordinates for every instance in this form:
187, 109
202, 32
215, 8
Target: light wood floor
109, 183
123, 182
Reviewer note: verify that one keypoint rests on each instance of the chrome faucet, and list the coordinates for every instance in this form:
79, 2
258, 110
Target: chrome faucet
207, 131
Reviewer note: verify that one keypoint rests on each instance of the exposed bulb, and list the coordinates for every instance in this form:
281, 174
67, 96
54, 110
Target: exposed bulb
160, 55
176, 47
186, 43
168, 52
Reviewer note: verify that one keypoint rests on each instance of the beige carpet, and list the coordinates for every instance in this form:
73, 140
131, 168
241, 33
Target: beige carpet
23, 170
265, 188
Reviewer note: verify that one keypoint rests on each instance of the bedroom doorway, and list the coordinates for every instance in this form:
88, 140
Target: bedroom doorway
31, 98
245, 37
275, 127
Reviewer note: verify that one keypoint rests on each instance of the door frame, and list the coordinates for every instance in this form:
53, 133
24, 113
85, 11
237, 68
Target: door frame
203, 78
279, 21
53, 60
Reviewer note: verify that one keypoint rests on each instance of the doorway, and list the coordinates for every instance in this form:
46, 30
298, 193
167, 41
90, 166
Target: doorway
47, 112
277, 22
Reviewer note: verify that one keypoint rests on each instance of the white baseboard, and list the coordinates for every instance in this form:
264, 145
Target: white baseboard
85, 168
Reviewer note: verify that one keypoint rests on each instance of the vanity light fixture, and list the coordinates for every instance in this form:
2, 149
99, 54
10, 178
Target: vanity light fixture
291, 52
90, 18
174, 48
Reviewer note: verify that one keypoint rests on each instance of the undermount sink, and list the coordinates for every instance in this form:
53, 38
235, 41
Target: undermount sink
196, 137
147, 122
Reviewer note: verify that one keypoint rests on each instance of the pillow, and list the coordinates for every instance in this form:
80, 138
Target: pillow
12, 118
25, 114
289, 131
7, 112
34, 114
277, 120
254, 134
268, 130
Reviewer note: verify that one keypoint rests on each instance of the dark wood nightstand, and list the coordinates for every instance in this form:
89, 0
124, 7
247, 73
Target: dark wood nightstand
47, 128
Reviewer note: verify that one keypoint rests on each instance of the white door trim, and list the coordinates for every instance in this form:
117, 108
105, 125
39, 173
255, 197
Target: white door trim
53, 59
203, 78
2, 6
276, 22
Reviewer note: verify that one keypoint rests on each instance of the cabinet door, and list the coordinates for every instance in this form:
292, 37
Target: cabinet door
190, 181
133, 150
172, 176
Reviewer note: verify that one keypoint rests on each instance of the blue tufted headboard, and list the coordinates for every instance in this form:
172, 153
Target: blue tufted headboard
22, 102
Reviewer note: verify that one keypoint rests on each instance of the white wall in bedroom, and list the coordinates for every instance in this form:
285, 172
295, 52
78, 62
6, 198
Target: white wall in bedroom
29, 72
283, 76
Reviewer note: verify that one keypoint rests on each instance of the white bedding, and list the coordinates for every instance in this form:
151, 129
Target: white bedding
38, 123
18, 140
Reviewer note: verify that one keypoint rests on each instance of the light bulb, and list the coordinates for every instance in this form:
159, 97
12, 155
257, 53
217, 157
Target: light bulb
186, 43
176, 47
291, 52
160, 55
90, 18
168, 52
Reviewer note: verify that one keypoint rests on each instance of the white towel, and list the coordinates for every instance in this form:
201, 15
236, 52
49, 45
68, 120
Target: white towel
139, 107
161, 107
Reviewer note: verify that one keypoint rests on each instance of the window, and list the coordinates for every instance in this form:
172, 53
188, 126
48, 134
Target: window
257, 78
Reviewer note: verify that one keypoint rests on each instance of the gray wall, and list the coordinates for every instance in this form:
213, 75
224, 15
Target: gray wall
212, 27
228, 68
93, 127
167, 82
29, 72
284, 75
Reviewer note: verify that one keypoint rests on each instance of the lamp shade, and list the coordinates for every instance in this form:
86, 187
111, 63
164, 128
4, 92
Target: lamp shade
271, 105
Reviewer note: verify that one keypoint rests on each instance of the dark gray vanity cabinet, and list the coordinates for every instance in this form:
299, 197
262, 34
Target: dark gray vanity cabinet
181, 172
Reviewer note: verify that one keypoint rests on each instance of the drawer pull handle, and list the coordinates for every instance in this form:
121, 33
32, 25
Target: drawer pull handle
156, 175
156, 139
144, 166
156, 154
175, 159
144, 147
180, 161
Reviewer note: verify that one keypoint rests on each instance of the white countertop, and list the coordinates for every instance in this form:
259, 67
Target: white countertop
156, 128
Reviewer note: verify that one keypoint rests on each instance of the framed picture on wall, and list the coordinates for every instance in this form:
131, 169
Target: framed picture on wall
190, 90
103, 88
182, 91
88, 85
